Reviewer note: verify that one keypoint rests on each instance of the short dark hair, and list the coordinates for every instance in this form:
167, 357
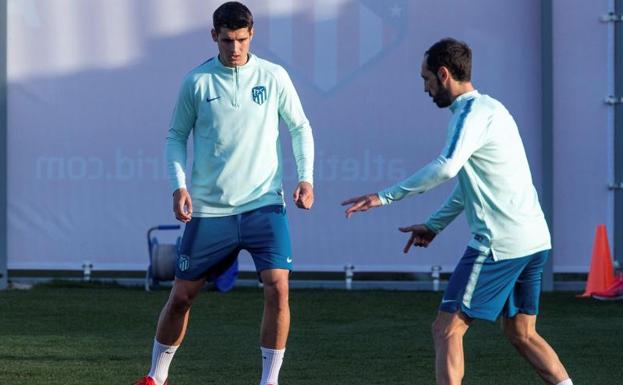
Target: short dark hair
455, 55
232, 15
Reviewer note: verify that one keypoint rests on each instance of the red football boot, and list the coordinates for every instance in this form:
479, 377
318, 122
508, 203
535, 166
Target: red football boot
147, 381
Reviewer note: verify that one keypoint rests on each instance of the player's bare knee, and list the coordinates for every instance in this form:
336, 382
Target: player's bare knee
277, 289
180, 302
439, 330
276, 293
519, 337
447, 328
443, 330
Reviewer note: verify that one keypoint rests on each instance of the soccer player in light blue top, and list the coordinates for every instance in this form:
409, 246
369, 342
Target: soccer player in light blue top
500, 272
232, 105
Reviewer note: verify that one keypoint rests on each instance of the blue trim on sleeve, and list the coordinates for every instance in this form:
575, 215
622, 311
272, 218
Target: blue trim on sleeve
459, 128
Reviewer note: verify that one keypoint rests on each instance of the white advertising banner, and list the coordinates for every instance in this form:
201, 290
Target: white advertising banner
92, 84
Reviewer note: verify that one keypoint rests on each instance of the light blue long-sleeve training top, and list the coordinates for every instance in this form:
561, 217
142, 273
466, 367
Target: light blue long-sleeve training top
494, 186
233, 113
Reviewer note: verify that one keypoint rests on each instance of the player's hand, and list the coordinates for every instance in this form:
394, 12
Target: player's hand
361, 203
182, 205
304, 195
421, 236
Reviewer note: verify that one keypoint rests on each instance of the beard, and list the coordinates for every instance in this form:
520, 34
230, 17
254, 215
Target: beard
442, 98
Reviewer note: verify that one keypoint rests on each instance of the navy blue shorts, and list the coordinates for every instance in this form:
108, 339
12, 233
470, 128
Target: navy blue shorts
210, 245
483, 288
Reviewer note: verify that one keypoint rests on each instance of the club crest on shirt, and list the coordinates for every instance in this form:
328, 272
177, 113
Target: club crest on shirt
183, 262
259, 94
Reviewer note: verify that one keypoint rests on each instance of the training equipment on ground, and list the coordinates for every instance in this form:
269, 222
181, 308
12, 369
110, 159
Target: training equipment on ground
601, 273
162, 258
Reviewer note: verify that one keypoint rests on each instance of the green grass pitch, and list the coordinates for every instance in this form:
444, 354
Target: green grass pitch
74, 334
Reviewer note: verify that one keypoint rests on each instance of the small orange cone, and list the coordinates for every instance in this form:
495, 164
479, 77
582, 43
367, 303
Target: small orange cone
601, 273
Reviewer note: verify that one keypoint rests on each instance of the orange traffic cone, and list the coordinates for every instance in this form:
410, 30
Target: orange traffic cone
601, 273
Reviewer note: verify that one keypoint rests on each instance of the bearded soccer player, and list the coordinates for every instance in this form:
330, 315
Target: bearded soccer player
232, 104
500, 272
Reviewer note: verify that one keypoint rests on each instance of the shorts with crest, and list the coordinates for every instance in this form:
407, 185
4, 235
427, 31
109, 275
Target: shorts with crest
211, 244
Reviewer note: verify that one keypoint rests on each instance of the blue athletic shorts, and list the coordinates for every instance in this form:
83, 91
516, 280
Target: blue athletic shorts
483, 288
210, 245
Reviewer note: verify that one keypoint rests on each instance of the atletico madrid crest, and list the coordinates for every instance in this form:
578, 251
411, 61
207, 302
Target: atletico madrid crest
259, 94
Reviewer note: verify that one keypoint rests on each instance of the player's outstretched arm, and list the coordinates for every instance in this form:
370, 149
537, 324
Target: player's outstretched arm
304, 195
182, 205
421, 236
361, 203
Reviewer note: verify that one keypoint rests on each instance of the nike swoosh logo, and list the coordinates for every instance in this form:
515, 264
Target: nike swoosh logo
289, 260
447, 300
212, 99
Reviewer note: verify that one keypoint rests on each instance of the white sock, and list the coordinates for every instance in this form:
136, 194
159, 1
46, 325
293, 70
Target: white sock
161, 357
271, 364
566, 382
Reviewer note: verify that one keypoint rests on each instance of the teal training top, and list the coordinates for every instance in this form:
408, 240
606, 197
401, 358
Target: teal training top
233, 113
494, 186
